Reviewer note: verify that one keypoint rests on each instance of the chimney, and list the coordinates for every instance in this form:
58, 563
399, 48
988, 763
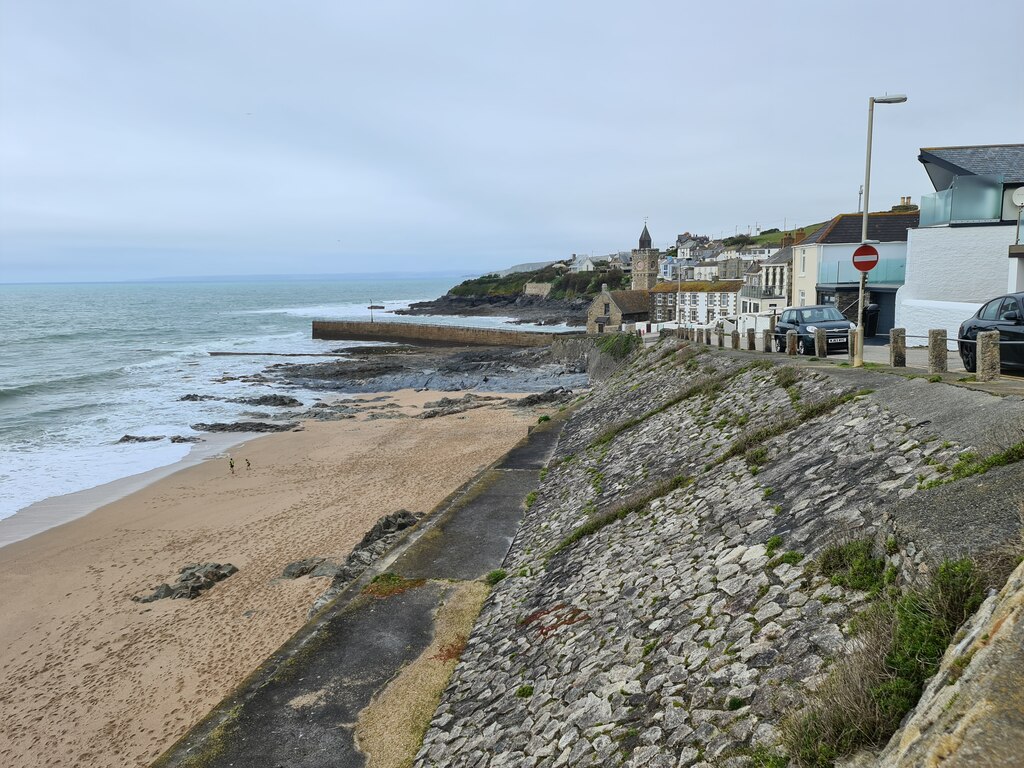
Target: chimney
604, 287
787, 240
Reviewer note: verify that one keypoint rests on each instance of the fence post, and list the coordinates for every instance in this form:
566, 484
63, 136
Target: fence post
937, 355
751, 340
851, 343
720, 335
791, 342
735, 337
988, 355
898, 347
820, 343
707, 336
768, 340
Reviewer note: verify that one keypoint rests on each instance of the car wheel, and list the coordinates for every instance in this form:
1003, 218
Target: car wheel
969, 357
780, 344
801, 346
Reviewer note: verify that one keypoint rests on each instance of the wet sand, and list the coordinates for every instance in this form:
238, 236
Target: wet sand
88, 677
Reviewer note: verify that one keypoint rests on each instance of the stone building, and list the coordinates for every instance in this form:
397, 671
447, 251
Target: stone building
645, 263
700, 302
610, 310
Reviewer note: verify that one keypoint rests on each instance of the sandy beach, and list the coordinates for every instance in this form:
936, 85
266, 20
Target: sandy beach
90, 678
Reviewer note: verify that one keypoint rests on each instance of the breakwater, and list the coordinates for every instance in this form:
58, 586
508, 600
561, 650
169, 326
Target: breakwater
683, 584
433, 335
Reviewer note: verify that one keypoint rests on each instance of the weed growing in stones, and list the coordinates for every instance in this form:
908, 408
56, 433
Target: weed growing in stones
852, 565
971, 464
626, 508
899, 643
791, 558
524, 691
735, 703
619, 345
772, 544
495, 576
543, 418
530, 500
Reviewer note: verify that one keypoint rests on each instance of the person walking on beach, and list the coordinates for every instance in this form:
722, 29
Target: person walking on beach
248, 465
231, 465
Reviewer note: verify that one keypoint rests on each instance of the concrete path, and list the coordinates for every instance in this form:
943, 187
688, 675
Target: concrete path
300, 708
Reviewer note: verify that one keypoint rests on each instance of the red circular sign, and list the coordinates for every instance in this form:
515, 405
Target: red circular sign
865, 258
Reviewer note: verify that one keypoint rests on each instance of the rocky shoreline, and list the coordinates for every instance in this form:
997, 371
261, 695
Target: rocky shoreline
524, 309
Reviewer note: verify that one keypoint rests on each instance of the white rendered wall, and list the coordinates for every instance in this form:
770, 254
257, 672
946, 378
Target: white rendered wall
951, 271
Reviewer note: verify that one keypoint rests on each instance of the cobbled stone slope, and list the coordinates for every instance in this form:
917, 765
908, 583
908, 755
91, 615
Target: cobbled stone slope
681, 632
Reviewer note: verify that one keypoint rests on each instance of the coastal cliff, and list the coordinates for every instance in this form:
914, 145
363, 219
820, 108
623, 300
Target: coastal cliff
724, 565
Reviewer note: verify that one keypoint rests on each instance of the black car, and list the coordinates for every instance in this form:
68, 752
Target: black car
1004, 314
805, 320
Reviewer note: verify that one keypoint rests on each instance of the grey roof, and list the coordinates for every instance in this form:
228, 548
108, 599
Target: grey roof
1006, 160
630, 302
782, 256
883, 226
645, 238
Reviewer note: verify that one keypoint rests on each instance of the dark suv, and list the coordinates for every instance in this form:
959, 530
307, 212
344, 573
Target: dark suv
805, 320
1006, 315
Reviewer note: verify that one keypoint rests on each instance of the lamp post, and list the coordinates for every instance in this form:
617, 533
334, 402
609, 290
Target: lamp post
858, 355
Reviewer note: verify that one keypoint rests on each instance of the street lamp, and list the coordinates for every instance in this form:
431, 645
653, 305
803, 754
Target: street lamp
858, 354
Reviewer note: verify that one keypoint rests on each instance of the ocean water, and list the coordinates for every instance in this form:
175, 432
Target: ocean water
83, 364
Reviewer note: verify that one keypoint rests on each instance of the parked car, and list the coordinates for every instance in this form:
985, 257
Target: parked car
1004, 314
805, 320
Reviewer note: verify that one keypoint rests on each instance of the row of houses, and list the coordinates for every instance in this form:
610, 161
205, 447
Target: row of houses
937, 262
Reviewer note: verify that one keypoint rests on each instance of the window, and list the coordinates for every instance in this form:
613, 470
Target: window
991, 310
803, 299
1009, 305
607, 309
803, 261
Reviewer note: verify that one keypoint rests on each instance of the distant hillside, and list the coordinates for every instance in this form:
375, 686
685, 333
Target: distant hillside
564, 286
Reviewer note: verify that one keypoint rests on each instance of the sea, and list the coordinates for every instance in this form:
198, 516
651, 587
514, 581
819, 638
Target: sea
83, 364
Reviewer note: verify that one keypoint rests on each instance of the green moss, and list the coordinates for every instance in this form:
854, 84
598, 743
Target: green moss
853, 565
791, 558
772, 544
543, 418
618, 345
971, 464
495, 576
524, 691
530, 500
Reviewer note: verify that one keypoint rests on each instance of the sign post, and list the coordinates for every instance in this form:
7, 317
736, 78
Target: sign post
865, 258
373, 307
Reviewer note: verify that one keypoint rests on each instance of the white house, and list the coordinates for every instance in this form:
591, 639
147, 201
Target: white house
958, 257
823, 271
699, 303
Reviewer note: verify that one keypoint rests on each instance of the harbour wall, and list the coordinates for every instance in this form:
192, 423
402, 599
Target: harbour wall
434, 335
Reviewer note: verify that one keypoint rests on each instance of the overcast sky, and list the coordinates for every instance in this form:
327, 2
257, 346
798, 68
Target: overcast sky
199, 137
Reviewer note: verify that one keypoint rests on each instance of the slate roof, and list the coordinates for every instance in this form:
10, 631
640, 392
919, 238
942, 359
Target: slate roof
782, 256
700, 286
1006, 160
885, 227
630, 302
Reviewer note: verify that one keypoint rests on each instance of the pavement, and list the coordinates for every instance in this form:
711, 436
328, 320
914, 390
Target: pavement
876, 357
299, 709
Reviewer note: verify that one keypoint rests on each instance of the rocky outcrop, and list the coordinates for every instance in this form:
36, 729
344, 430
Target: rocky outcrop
245, 426
448, 406
377, 541
141, 438
662, 607
192, 581
272, 401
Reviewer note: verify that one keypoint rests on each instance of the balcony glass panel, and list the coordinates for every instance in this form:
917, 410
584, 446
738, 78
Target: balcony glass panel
889, 271
970, 200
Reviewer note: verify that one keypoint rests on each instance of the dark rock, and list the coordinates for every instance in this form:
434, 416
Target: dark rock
186, 439
301, 567
275, 401
244, 426
553, 395
393, 523
141, 438
192, 581
194, 398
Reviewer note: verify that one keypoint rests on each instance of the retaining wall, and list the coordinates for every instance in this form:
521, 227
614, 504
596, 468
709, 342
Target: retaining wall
423, 334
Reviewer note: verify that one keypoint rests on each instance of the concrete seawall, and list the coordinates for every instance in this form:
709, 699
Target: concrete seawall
439, 335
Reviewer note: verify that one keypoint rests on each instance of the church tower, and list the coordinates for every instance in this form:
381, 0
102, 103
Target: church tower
645, 263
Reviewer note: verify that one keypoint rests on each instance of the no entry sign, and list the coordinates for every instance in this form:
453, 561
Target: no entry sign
865, 258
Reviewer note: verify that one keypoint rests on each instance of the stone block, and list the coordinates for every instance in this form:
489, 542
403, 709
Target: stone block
898, 347
937, 353
791, 342
820, 342
988, 355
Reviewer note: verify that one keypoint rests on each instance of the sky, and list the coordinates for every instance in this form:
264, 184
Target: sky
189, 137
